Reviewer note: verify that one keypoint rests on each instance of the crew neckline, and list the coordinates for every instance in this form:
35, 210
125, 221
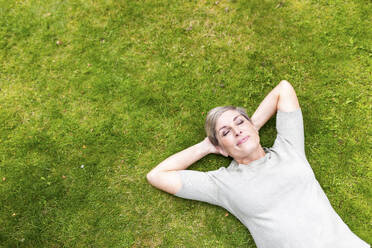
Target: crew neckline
255, 162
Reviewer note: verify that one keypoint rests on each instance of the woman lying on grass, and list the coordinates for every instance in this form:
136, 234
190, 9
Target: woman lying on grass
272, 191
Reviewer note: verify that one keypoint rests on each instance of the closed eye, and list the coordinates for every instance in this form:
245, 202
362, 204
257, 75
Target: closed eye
225, 133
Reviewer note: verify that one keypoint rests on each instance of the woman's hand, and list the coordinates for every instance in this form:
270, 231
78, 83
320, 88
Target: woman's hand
208, 146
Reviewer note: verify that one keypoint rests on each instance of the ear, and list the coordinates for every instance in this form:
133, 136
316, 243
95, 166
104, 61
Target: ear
222, 151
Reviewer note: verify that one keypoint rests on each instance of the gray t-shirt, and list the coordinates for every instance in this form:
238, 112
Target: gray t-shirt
277, 197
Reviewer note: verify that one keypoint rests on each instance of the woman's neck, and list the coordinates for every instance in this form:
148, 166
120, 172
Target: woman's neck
257, 154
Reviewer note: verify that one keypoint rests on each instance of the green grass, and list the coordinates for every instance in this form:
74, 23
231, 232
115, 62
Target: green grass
117, 86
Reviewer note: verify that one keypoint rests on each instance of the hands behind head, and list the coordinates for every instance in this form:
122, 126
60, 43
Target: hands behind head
206, 143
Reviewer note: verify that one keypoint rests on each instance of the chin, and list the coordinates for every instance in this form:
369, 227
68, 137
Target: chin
250, 148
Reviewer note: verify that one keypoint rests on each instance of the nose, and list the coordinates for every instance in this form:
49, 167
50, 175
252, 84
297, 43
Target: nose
237, 132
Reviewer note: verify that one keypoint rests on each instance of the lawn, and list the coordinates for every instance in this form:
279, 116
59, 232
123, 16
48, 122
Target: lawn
94, 94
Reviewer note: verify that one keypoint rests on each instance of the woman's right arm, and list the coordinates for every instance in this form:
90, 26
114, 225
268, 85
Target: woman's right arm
164, 175
282, 97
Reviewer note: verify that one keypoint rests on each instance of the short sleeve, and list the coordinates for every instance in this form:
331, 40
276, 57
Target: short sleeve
197, 185
289, 126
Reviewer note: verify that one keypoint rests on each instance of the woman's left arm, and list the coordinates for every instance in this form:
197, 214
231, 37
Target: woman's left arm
283, 97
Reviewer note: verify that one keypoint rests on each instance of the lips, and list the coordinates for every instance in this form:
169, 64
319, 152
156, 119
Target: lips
243, 140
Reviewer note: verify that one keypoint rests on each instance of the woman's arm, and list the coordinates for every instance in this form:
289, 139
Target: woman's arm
282, 97
164, 175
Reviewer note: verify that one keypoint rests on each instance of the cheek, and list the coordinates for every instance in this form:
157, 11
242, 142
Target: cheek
258, 137
256, 140
227, 142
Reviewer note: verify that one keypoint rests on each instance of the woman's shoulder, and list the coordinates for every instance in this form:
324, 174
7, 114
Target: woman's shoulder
232, 166
283, 147
223, 173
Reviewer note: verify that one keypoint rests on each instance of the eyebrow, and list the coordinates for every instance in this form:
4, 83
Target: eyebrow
226, 126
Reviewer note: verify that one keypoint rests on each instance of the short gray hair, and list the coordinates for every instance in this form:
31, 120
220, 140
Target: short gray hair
212, 117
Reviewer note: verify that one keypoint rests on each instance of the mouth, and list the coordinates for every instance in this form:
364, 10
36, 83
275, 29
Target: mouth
243, 140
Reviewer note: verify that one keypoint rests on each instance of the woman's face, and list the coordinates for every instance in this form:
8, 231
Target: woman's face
236, 135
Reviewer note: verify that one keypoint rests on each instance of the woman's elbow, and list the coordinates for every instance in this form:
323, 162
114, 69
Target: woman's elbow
285, 84
287, 97
166, 181
151, 177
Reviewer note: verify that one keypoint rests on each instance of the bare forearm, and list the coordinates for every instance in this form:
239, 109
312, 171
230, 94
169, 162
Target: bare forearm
165, 177
183, 159
282, 97
266, 108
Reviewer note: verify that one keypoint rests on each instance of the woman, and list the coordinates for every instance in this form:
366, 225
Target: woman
272, 191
